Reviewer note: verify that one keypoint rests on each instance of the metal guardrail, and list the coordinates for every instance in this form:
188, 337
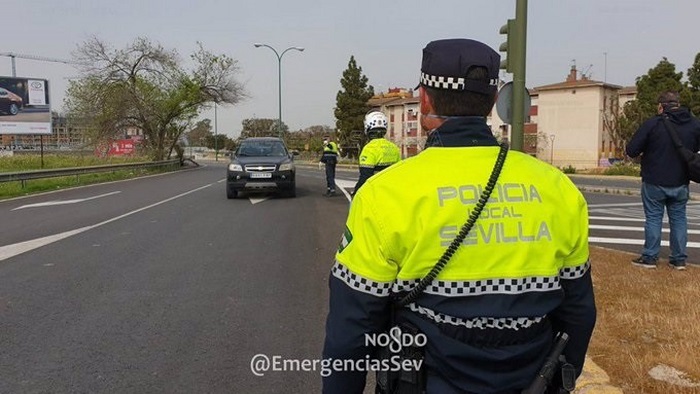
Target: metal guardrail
24, 176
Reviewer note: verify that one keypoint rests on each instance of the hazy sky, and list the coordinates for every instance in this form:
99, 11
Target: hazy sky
386, 38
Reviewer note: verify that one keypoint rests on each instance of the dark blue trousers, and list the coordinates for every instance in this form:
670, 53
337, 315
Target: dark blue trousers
330, 175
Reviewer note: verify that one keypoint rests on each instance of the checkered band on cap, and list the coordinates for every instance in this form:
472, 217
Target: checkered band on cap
450, 83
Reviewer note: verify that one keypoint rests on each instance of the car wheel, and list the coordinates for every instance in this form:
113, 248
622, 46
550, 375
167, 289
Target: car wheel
14, 109
231, 193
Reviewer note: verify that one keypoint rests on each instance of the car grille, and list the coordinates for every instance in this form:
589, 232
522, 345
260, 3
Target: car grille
260, 168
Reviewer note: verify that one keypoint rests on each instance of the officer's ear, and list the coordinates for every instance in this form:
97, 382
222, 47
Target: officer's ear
426, 102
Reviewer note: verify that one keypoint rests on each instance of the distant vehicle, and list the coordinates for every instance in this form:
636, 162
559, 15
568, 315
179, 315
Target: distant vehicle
263, 164
10, 103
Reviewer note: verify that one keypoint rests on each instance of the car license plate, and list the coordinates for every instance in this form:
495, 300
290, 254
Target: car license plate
261, 175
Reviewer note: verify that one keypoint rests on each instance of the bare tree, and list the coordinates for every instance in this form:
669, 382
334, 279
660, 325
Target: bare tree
145, 87
617, 126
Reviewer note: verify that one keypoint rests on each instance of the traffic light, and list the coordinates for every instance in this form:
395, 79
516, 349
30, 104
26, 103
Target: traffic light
508, 47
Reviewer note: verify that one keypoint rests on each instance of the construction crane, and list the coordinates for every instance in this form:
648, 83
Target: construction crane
13, 56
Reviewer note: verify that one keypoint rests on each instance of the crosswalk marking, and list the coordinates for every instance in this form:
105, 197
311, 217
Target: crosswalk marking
622, 217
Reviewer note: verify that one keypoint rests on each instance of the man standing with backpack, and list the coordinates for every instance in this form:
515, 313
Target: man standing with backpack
665, 178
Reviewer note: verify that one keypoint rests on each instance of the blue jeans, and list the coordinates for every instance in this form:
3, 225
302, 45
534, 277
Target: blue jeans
674, 199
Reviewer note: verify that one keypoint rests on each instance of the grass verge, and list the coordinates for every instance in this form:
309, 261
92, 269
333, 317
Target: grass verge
15, 189
645, 318
33, 162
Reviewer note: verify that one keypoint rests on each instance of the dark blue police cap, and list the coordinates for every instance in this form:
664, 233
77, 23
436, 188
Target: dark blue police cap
447, 62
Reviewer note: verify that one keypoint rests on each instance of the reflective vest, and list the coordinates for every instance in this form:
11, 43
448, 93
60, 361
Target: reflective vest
330, 147
521, 274
379, 153
534, 224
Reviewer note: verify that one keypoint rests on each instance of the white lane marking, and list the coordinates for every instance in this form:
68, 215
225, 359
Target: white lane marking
13, 250
628, 228
627, 241
8, 251
343, 184
255, 200
616, 218
624, 204
65, 202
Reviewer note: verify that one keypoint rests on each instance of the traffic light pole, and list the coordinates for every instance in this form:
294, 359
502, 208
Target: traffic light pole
520, 36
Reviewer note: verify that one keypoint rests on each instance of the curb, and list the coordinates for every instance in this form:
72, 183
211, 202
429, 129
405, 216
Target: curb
594, 380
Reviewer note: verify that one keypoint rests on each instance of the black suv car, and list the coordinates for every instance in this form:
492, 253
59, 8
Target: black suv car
261, 163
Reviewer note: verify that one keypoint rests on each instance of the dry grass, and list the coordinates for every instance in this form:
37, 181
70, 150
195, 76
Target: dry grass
645, 318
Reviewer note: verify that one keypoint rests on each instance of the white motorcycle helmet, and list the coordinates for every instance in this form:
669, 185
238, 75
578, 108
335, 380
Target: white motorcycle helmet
375, 123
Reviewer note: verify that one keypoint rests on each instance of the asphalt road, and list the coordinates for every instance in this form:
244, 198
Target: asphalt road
162, 285
176, 297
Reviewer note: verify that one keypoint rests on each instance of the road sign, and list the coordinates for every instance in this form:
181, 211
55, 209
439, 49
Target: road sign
504, 104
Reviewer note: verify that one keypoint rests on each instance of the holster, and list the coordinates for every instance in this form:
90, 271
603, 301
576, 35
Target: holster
402, 381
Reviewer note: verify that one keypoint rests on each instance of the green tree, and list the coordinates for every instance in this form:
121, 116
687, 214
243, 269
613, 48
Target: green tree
199, 133
351, 107
691, 98
659, 79
619, 128
220, 142
262, 127
144, 87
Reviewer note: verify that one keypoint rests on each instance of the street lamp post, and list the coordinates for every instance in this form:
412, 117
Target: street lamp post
216, 137
279, 80
551, 154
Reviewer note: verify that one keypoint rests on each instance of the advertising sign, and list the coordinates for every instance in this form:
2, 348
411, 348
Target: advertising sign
24, 106
120, 147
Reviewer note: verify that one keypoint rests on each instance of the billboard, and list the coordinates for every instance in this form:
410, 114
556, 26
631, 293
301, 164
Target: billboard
24, 106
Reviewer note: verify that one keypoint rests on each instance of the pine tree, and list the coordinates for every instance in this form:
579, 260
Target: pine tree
351, 107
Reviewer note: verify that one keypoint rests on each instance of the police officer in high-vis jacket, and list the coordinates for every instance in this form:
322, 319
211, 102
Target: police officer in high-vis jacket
521, 275
330, 159
379, 153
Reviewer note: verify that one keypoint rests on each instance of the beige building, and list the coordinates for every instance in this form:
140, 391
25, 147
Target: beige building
572, 116
402, 109
568, 123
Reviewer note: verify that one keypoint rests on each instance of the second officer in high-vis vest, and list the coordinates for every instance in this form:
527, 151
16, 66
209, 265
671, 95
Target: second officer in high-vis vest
520, 276
379, 153
330, 159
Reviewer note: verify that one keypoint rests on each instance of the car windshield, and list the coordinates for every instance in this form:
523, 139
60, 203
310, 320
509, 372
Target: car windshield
262, 148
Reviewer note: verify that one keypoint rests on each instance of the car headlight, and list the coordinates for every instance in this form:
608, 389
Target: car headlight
286, 167
235, 167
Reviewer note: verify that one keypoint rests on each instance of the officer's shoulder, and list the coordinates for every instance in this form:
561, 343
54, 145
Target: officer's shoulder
543, 169
400, 169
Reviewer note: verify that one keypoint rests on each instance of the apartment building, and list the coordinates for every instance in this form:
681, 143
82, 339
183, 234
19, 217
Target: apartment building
402, 108
566, 124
